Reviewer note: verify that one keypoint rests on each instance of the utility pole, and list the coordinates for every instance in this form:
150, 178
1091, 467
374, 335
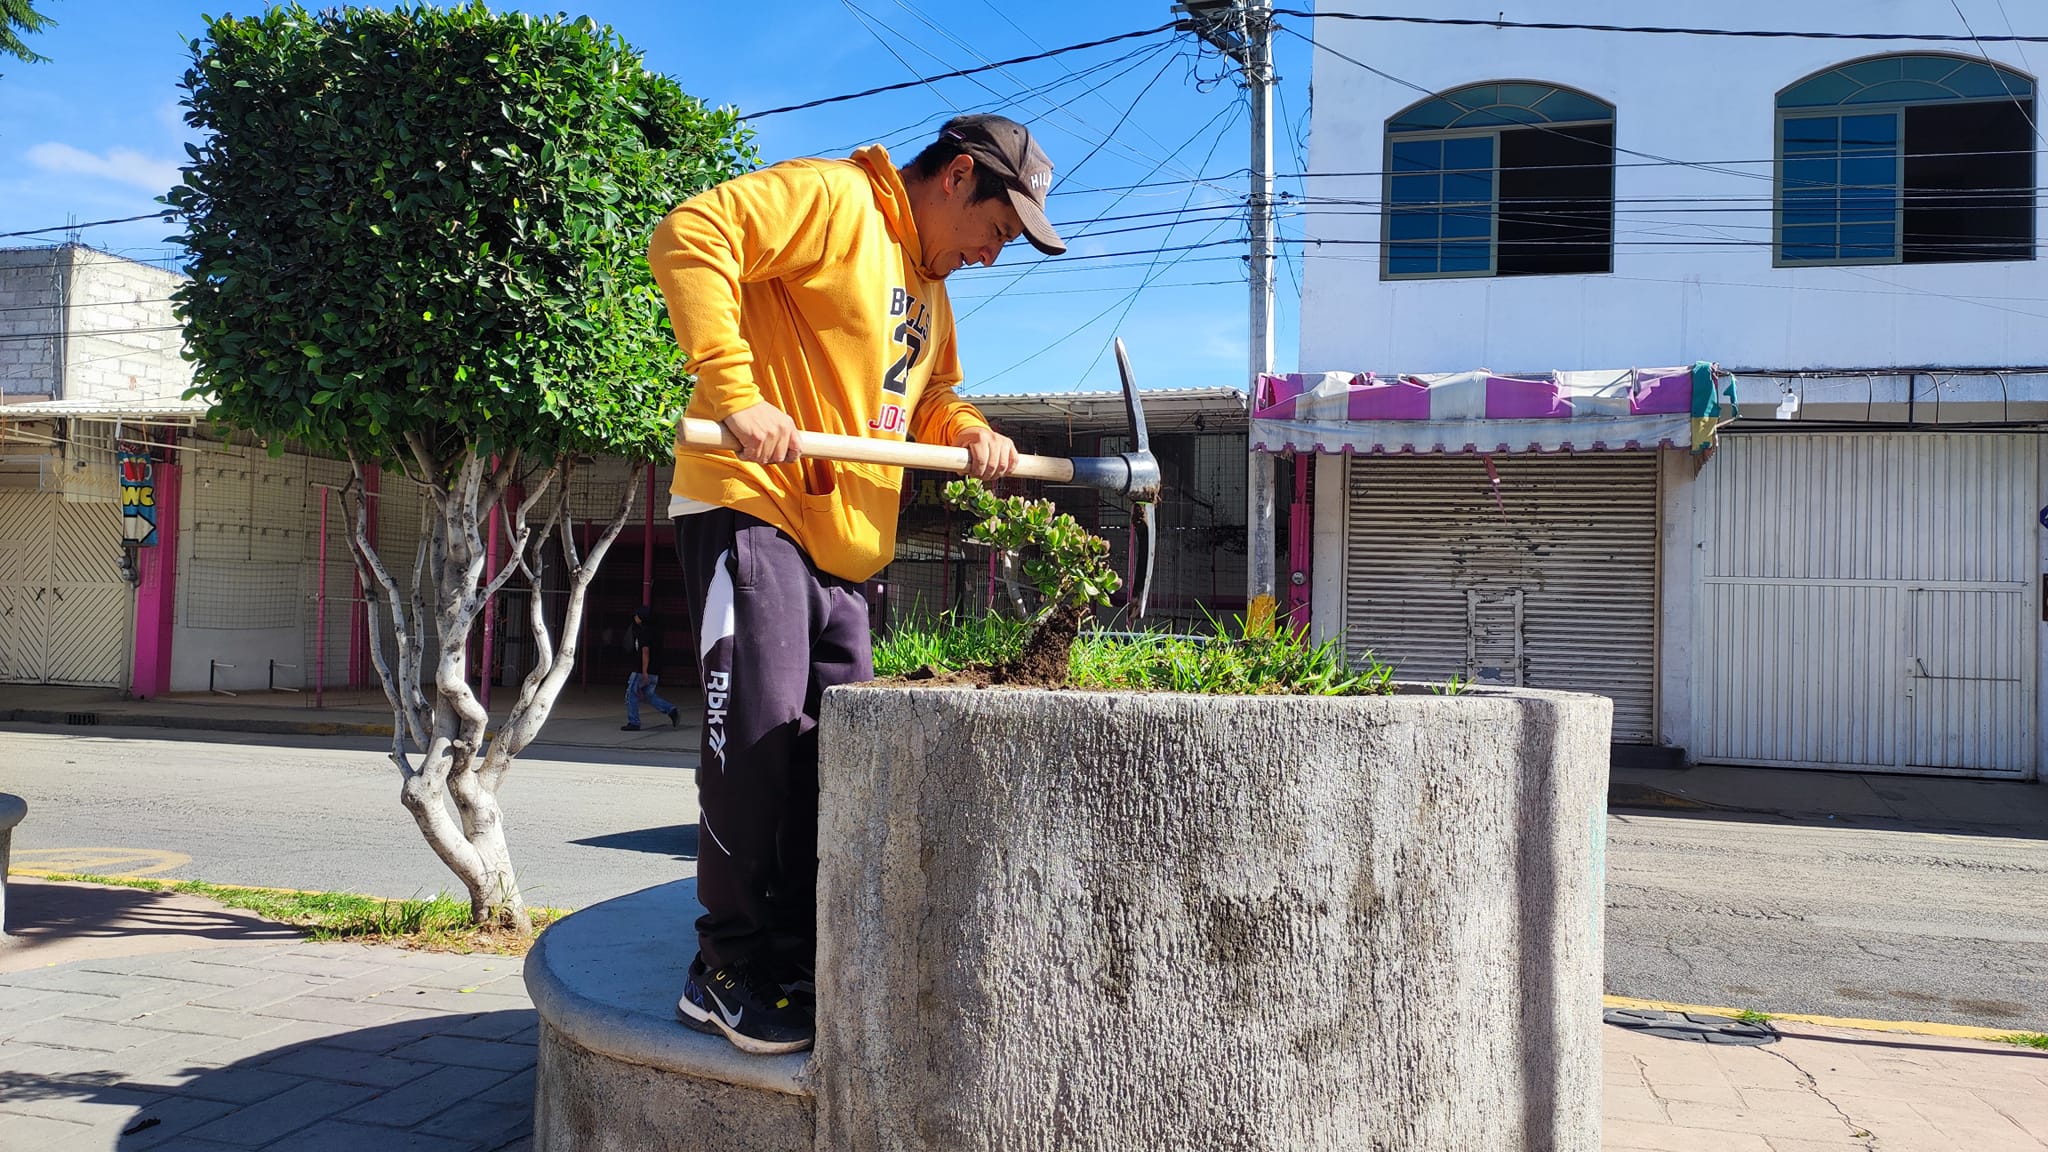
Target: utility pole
1243, 31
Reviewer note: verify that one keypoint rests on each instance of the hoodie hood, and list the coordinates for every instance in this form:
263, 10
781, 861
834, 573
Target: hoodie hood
894, 201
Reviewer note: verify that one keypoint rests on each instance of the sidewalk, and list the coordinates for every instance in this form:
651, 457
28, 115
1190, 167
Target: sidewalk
582, 717
249, 1038
1865, 799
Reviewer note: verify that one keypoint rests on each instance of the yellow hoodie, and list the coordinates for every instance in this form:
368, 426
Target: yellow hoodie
802, 286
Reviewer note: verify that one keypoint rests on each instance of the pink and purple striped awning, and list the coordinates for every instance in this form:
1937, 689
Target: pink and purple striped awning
1480, 413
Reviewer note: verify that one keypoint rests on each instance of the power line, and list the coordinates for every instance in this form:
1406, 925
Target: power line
1996, 70
1386, 75
864, 17
1749, 33
1078, 126
163, 215
957, 73
1029, 267
925, 124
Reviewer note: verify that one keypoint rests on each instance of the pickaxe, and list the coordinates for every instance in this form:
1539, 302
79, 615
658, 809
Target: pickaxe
1133, 475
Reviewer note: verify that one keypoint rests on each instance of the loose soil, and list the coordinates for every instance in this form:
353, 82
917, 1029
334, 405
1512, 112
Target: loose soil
1045, 662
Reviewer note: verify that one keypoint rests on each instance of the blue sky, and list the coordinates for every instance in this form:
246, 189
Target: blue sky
95, 134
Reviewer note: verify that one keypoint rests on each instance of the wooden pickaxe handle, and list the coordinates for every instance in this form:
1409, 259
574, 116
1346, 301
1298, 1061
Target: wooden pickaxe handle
711, 435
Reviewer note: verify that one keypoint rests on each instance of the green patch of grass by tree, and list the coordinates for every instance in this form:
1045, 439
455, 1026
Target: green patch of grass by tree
436, 924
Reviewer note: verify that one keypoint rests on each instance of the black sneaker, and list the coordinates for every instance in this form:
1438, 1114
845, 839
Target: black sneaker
629, 727
694, 1009
756, 1015
675, 718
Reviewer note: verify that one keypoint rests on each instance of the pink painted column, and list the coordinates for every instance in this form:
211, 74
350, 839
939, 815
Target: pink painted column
156, 596
1300, 546
647, 548
360, 667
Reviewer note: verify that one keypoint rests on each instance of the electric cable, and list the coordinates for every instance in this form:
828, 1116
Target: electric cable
1046, 55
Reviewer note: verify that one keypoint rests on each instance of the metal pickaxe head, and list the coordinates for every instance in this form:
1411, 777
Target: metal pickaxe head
1135, 476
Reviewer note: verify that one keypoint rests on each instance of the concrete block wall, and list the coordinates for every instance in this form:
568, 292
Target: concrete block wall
31, 315
78, 324
123, 341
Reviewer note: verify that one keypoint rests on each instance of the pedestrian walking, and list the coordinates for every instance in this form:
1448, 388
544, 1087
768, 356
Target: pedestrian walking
810, 295
645, 639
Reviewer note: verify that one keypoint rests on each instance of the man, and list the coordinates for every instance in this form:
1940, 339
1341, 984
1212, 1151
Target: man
645, 639
810, 295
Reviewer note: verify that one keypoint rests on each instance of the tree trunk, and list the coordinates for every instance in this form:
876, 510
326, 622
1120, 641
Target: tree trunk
454, 758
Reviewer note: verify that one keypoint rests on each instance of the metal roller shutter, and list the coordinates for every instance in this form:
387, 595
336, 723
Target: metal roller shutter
1868, 601
1553, 586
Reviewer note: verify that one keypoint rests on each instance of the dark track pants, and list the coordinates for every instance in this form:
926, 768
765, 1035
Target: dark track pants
773, 633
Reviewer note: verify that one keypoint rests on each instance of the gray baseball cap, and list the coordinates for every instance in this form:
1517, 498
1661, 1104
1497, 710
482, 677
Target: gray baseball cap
1006, 148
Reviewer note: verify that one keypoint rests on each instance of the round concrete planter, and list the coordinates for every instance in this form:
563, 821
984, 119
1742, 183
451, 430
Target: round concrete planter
1098, 921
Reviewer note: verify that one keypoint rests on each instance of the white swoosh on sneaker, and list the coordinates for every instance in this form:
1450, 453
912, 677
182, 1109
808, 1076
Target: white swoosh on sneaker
732, 1019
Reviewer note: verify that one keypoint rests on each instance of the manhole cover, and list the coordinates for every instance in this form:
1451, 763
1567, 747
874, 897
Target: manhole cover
1704, 1027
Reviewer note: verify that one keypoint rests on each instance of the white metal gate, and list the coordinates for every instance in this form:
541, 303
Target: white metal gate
1867, 601
64, 607
1553, 584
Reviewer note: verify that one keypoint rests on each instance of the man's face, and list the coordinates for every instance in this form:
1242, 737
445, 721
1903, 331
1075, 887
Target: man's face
956, 233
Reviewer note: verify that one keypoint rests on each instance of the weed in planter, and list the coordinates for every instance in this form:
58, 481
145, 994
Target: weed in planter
1243, 663
951, 644
1066, 564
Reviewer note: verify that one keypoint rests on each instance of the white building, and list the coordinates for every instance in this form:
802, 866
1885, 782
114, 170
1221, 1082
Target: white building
1848, 223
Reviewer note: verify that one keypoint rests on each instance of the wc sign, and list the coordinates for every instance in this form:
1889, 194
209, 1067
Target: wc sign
138, 499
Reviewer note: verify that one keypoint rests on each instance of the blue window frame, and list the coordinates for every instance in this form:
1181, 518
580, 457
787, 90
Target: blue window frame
1499, 179
1440, 206
1907, 158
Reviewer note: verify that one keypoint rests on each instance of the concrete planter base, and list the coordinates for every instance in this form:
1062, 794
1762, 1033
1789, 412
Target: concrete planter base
1085, 921
1096, 921
617, 1072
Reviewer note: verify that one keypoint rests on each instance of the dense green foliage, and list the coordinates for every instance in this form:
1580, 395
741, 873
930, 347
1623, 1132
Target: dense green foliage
433, 223
17, 17
1064, 562
1249, 662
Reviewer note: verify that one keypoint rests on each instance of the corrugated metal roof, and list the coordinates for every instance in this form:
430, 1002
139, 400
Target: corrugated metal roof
1164, 407
85, 409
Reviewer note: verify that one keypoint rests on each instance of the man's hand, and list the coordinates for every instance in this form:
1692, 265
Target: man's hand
766, 434
990, 454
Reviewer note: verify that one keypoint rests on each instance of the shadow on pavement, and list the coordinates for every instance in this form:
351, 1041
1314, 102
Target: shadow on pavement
391, 1086
677, 840
50, 922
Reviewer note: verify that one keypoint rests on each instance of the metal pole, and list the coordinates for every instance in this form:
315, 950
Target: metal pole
1258, 76
320, 616
490, 615
647, 549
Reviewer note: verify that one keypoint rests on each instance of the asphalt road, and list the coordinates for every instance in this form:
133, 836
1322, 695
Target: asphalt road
1771, 915
1788, 917
323, 813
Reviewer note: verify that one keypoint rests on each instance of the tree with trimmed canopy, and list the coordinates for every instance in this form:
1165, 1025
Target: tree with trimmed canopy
417, 242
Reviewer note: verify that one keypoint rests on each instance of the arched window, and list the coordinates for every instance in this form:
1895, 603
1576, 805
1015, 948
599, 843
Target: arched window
1504, 179
1918, 158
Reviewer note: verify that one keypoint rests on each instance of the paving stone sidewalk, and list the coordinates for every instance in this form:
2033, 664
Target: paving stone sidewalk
289, 1046
1823, 1090
336, 1046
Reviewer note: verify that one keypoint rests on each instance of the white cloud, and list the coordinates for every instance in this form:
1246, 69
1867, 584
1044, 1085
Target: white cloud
120, 165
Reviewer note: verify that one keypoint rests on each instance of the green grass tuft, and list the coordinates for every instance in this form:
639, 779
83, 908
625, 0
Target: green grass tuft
1752, 1016
439, 923
2027, 1040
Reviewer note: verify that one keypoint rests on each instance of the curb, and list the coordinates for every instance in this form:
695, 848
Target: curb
256, 725
1627, 795
1905, 1027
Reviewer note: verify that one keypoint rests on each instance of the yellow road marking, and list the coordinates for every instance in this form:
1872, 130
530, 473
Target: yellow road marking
98, 861
1912, 1027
